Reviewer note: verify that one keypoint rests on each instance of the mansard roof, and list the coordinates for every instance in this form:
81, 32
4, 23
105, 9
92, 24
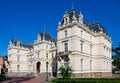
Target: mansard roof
45, 36
19, 42
70, 14
97, 27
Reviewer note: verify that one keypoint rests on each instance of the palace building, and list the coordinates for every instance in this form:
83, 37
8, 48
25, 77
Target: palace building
83, 46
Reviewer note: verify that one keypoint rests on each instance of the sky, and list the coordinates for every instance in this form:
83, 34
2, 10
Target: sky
24, 19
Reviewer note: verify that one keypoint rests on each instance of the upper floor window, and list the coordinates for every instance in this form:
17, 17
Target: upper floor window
38, 55
18, 58
66, 47
90, 49
66, 34
90, 38
47, 55
81, 33
18, 51
52, 55
81, 47
46, 46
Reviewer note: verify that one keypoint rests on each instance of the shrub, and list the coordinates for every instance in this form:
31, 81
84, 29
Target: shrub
65, 71
2, 75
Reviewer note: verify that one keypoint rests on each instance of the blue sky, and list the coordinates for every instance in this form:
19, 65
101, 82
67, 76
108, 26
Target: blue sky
24, 19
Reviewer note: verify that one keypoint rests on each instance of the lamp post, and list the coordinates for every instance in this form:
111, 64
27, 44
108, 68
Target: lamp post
47, 71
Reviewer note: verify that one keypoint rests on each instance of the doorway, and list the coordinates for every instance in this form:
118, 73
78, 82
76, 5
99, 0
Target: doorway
38, 67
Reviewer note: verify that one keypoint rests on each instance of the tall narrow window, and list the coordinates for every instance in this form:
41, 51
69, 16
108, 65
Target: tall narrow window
47, 55
90, 49
38, 55
65, 33
91, 38
18, 68
46, 46
66, 47
18, 58
104, 65
81, 47
52, 55
65, 63
18, 50
81, 66
81, 33
90, 65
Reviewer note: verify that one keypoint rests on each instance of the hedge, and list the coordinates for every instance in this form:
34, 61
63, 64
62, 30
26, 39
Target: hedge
86, 80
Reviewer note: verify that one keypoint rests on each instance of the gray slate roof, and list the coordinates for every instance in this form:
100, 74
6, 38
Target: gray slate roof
46, 36
71, 13
14, 42
97, 27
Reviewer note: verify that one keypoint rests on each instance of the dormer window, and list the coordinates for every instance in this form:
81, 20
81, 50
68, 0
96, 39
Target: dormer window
65, 33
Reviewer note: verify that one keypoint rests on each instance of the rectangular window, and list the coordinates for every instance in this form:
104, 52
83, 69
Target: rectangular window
38, 55
46, 46
18, 50
90, 49
52, 55
90, 65
81, 33
81, 64
65, 33
47, 55
65, 63
66, 47
81, 47
18, 68
18, 58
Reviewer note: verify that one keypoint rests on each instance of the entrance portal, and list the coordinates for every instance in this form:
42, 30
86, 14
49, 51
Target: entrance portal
38, 67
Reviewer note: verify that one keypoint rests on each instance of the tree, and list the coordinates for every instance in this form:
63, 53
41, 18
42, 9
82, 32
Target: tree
116, 56
66, 72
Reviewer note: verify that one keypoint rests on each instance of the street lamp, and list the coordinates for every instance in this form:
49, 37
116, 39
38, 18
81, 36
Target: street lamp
47, 71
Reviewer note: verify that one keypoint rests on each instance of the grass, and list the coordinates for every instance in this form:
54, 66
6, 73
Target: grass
87, 80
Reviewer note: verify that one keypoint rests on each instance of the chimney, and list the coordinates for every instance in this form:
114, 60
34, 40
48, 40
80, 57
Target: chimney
31, 44
88, 23
20, 41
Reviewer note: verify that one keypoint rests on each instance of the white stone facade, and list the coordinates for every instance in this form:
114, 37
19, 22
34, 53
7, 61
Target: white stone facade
85, 47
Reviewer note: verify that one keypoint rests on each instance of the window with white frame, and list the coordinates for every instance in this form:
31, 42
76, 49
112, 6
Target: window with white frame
18, 67
66, 34
47, 55
66, 47
81, 47
81, 64
90, 65
90, 49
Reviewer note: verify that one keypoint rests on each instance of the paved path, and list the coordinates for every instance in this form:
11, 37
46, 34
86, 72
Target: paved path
22, 80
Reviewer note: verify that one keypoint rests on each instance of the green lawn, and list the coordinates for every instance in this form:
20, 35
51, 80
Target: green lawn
87, 80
